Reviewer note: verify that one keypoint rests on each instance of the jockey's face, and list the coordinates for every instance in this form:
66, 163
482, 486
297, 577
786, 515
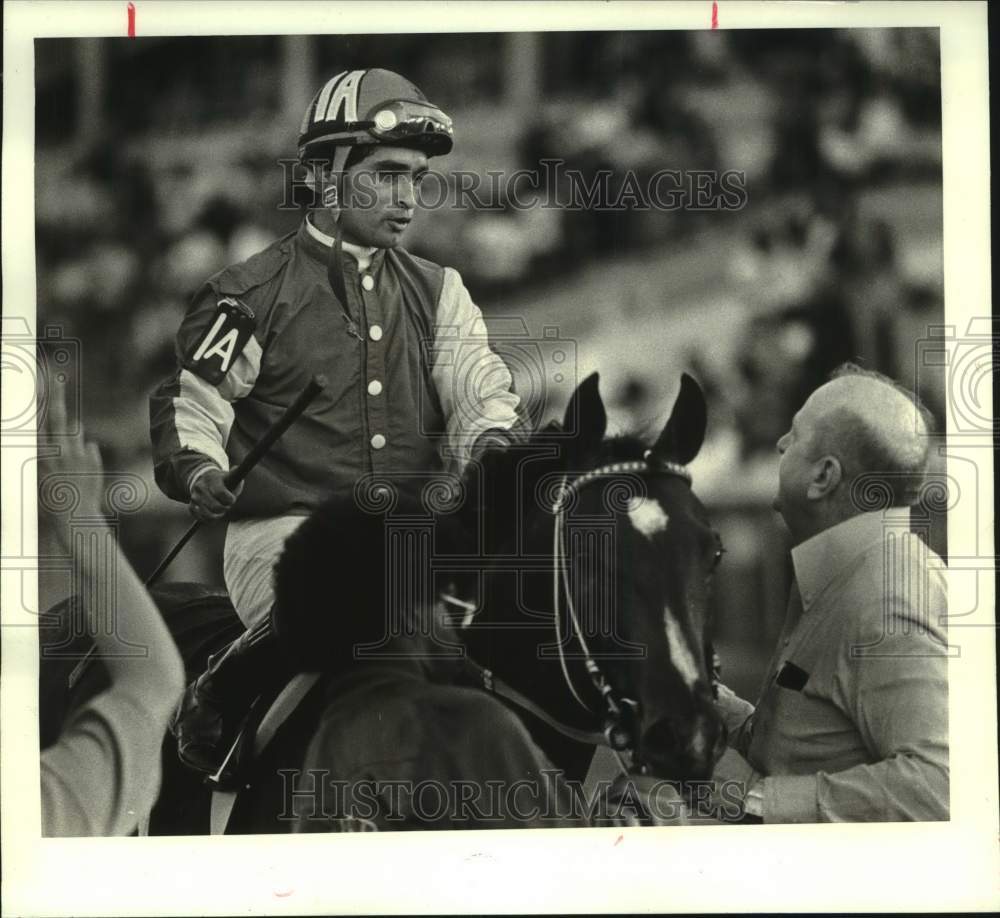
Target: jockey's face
380, 196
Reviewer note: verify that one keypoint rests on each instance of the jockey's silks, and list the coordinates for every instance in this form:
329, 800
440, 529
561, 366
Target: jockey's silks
411, 378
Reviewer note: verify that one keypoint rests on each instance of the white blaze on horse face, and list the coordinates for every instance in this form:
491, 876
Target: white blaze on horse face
680, 653
648, 517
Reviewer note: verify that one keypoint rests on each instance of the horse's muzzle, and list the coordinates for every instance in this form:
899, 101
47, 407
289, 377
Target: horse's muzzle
684, 747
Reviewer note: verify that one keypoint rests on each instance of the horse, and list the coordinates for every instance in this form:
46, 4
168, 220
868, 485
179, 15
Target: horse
590, 573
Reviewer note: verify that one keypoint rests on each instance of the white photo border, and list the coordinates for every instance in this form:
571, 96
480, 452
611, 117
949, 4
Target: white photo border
953, 865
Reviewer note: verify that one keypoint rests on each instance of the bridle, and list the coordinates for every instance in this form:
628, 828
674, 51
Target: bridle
620, 712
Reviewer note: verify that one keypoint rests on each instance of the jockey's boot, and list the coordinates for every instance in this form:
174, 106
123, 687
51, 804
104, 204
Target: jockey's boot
215, 704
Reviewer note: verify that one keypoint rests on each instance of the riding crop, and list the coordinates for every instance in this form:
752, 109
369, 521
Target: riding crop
233, 478
236, 475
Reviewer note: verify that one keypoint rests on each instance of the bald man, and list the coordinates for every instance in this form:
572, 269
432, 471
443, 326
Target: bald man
852, 721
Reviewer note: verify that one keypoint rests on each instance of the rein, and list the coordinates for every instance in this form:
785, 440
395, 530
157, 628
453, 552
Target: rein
497, 686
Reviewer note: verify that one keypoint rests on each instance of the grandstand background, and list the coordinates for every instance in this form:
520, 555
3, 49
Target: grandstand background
157, 164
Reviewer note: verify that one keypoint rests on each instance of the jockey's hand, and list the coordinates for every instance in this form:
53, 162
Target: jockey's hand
492, 438
210, 498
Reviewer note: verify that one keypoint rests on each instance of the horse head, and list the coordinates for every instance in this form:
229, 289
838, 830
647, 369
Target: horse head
666, 551
617, 554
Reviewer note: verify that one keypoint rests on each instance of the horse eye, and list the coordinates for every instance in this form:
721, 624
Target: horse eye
717, 557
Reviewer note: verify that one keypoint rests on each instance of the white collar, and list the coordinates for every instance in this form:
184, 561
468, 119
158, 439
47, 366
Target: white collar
362, 254
820, 558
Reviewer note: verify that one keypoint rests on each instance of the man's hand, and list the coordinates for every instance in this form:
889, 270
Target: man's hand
729, 790
210, 498
70, 477
734, 710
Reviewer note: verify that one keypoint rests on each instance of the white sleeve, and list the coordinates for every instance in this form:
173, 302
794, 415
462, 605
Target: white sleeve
203, 418
473, 383
102, 776
192, 418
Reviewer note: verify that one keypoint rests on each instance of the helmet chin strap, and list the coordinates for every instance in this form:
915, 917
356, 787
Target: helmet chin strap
335, 269
331, 204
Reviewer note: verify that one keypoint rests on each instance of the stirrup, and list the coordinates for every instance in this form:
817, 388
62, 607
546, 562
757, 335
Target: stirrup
180, 726
230, 774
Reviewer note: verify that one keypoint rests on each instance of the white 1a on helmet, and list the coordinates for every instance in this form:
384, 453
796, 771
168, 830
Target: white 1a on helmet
361, 107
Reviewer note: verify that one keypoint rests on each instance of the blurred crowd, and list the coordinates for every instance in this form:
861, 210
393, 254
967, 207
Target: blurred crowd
836, 254
158, 162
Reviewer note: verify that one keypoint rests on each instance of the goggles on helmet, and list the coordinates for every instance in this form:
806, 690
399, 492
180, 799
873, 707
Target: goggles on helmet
400, 121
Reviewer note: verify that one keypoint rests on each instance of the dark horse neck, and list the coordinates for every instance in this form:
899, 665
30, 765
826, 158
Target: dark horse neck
517, 643
513, 634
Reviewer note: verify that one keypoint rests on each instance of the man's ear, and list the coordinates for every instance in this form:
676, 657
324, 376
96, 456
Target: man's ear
827, 475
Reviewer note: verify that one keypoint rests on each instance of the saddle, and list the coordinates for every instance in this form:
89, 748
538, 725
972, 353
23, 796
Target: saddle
266, 716
269, 712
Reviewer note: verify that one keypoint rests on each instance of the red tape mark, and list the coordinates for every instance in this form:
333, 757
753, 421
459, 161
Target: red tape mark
131, 20
715, 14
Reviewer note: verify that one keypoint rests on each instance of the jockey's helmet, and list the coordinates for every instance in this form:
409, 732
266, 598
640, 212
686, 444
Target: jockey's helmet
361, 107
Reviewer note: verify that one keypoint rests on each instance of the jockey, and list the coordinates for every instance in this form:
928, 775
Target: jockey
413, 383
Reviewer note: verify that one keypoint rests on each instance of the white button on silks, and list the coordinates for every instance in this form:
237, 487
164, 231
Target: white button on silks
374, 387
378, 441
368, 282
375, 333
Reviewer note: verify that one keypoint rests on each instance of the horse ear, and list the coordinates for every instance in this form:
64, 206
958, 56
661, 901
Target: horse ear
685, 431
586, 418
